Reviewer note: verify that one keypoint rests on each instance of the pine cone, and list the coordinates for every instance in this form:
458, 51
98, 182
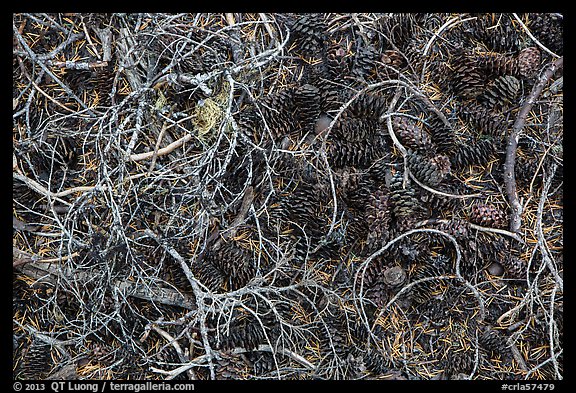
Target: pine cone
394, 276
330, 100
307, 101
230, 367
549, 30
460, 362
528, 62
358, 154
498, 34
457, 228
497, 64
36, 362
473, 154
487, 215
378, 216
336, 63
364, 62
442, 135
262, 362
398, 28
393, 58
354, 129
500, 92
247, 335
494, 342
404, 203
367, 106
428, 171
466, 79
484, 120
515, 267
309, 33
376, 363
424, 291
277, 110
209, 275
410, 135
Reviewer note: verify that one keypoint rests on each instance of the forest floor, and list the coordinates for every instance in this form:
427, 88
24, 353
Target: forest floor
288, 196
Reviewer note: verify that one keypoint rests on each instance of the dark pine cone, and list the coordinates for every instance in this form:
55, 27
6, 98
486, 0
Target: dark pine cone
209, 275
248, 335
330, 100
515, 267
549, 30
479, 153
487, 215
250, 124
230, 367
375, 289
484, 120
398, 28
431, 172
307, 101
309, 33
424, 291
335, 341
364, 62
376, 363
404, 203
228, 268
215, 54
262, 362
367, 106
496, 64
378, 216
36, 362
494, 342
394, 276
358, 154
277, 109
354, 129
442, 135
410, 135
496, 32
466, 79
502, 91
456, 227
460, 362
336, 64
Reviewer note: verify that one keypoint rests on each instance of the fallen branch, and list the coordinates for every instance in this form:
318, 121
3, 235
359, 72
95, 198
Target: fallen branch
78, 65
512, 144
20, 258
50, 274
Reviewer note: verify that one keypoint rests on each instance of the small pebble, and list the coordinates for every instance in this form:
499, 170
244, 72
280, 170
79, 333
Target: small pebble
322, 124
394, 276
495, 269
